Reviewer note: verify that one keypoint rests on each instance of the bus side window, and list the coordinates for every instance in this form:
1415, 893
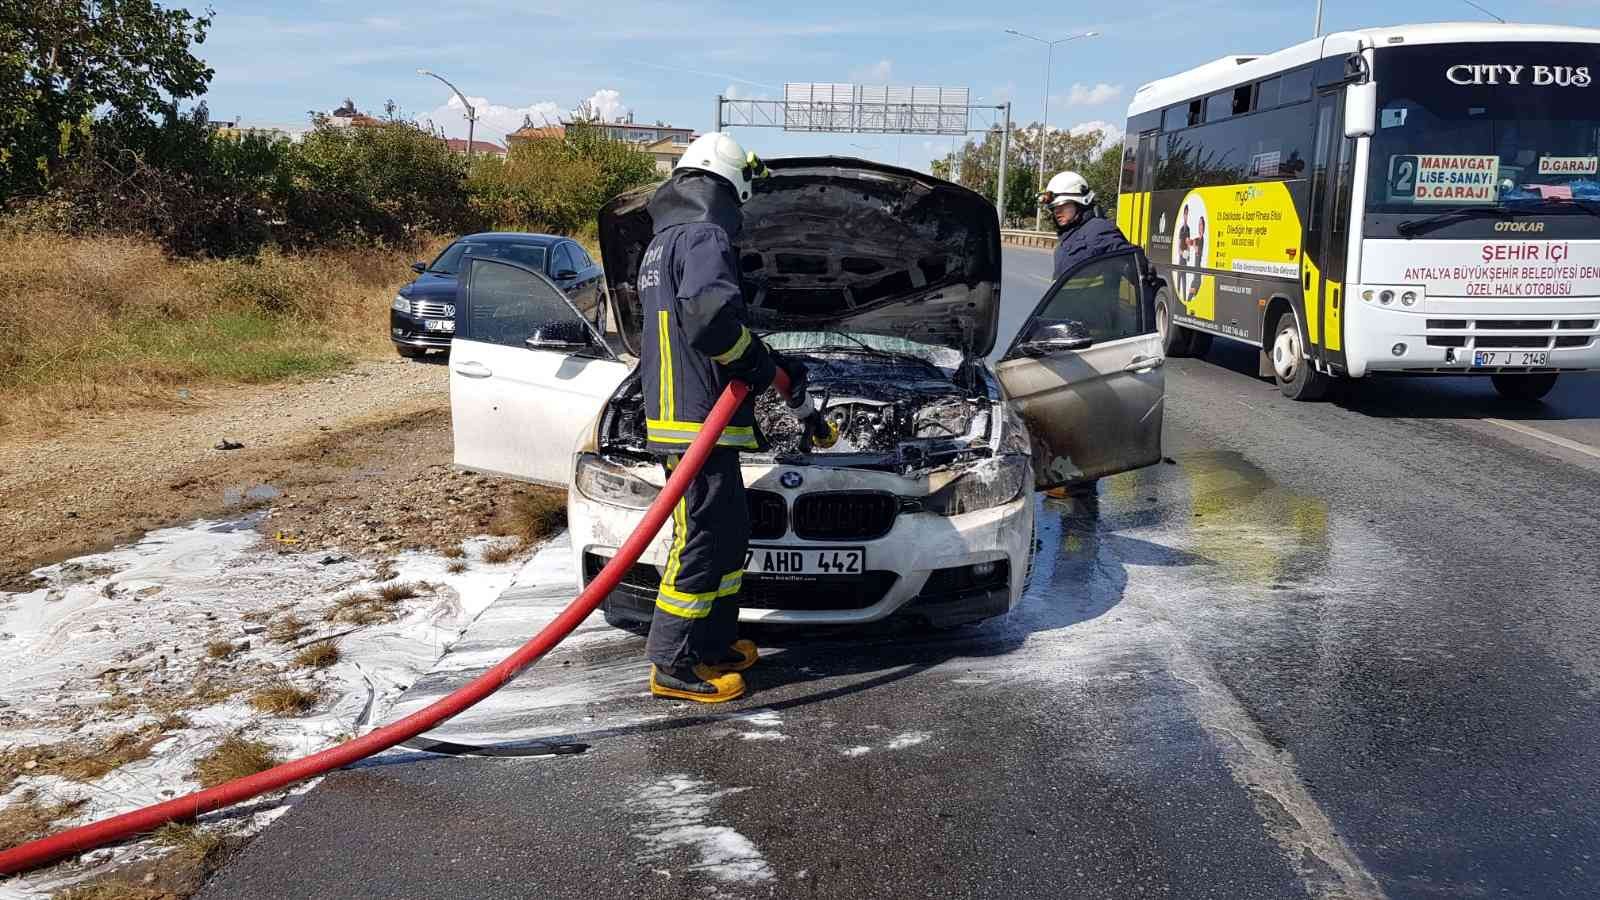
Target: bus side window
1267, 93
1296, 86
1196, 112
1342, 212
1319, 170
1175, 117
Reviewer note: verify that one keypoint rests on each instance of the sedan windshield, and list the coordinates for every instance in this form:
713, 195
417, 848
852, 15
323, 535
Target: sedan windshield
455, 256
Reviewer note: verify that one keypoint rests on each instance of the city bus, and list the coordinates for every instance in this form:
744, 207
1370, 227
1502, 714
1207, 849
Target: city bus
1416, 200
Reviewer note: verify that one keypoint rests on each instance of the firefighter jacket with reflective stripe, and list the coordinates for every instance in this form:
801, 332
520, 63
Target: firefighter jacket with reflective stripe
1088, 236
695, 337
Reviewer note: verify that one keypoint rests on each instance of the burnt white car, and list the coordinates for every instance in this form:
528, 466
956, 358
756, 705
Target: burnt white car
886, 282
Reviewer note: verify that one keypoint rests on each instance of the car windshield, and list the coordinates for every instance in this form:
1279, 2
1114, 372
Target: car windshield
455, 256
873, 344
1452, 135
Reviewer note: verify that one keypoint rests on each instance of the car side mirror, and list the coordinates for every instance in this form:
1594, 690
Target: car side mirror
564, 337
419, 267
1054, 336
566, 274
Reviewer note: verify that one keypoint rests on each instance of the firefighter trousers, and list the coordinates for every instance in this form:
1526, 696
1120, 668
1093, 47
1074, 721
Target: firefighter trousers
697, 606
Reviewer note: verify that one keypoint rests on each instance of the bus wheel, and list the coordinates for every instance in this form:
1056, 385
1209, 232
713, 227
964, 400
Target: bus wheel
1175, 341
1296, 377
1524, 388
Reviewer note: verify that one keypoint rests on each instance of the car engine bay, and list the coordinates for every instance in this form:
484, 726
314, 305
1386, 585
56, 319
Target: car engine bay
893, 413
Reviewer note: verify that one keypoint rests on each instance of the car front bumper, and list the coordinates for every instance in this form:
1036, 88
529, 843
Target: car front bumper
409, 331
945, 570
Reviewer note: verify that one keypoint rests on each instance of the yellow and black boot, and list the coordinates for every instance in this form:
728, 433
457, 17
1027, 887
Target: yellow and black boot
742, 655
702, 684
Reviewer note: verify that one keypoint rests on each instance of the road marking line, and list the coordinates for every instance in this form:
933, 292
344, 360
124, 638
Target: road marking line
1558, 440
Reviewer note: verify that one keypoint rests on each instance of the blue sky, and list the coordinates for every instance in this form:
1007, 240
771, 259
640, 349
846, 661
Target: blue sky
668, 60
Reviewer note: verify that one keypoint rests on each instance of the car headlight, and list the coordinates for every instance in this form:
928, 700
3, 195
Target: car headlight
401, 305
991, 483
607, 482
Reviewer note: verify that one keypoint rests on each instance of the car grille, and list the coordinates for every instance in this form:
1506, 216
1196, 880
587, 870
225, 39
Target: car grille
768, 517
804, 593
845, 515
433, 309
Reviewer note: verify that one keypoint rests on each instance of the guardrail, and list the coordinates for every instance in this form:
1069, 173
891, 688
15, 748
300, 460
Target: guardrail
1044, 240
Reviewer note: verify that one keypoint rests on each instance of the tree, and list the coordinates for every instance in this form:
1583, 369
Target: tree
60, 60
1086, 153
558, 182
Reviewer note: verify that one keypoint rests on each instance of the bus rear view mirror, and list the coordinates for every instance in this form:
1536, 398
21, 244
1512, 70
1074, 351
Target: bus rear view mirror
1360, 109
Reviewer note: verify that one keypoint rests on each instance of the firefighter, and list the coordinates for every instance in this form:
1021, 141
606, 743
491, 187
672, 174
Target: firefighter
1081, 232
695, 340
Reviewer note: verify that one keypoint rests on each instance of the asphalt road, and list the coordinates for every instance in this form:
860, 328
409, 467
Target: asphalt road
1332, 650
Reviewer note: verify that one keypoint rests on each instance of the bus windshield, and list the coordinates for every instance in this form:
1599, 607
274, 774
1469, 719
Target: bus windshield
1512, 127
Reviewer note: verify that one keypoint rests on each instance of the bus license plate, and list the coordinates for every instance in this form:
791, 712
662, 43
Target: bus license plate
805, 560
1517, 358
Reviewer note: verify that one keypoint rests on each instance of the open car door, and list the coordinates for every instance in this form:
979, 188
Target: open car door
1085, 373
527, 373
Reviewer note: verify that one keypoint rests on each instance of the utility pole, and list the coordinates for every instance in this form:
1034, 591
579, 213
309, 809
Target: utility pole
472, 114
1005, 150
1049, 57
1318, 32
718, 119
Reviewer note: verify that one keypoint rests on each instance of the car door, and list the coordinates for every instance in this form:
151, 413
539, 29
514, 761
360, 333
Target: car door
589, 276
1085, 374
528, 374
564, 269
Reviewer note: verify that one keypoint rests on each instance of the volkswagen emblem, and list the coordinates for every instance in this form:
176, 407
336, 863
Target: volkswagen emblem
791, 480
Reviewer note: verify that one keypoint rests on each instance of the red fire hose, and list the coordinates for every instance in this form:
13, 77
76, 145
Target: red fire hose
97, 834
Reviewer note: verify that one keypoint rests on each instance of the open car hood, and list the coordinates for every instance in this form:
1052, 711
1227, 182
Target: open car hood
838, 244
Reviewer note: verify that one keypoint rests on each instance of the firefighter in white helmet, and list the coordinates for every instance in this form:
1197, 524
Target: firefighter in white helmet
1082, 233
696, 338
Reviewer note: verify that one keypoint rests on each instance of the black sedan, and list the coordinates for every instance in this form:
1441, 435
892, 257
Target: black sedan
422, 316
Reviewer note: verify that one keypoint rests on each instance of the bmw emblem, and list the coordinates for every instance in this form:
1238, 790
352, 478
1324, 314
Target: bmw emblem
791, 480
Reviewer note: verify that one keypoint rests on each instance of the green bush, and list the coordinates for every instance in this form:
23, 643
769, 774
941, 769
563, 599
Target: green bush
557, 183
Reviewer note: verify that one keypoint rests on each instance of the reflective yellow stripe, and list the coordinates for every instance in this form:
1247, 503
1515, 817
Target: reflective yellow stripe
694, 609
680, 534
663, 333
731, 583
738, 348
668, 432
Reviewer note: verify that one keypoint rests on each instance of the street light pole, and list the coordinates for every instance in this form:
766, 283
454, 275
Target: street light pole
472, 114
1049, 58
1318, 32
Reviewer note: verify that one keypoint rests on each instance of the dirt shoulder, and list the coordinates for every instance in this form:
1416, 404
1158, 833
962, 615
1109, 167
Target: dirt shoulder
358, 461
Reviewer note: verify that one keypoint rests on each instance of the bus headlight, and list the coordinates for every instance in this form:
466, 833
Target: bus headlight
1386, 297
1409, 298
606, 482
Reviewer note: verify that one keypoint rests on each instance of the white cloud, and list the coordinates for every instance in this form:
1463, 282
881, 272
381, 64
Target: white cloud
877, 73
1090, 95
1112, 131
495, 120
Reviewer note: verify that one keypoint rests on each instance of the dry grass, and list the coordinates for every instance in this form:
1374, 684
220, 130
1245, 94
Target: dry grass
320, 655
456, 567
260, 615
281, 698
500, 551
27, 818
454, 551
194, 852
234, 758
358, 609
394, 593
220, 649
286, 630
532, 516
79, 760
385, 571
94, 323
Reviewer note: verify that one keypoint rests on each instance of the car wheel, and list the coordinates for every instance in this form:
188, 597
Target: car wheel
1524, 388
1296, 377
1175, 339
410, 352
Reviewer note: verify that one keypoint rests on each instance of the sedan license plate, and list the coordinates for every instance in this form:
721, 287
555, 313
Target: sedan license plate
439, 324
1482, 359
805, 560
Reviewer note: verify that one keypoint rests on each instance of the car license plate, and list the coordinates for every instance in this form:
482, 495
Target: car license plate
805, 560
439, 324
1518, 358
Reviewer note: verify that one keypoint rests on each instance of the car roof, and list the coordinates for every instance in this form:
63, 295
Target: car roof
513, 237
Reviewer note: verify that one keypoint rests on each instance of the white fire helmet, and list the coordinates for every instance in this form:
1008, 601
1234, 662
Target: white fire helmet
1066, 187
721, 155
